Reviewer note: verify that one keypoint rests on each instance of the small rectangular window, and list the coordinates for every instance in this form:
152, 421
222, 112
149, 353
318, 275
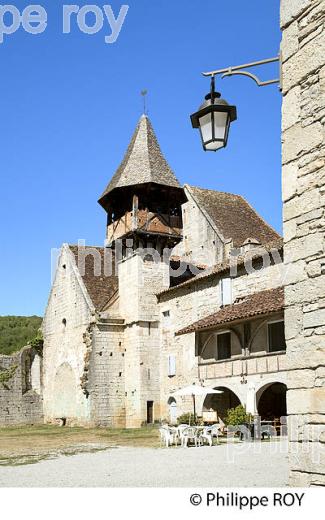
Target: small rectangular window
224, 345
166, 319
225, 291
276, 336
171, 365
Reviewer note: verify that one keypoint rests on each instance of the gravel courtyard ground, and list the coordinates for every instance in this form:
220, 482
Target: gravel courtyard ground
240, 464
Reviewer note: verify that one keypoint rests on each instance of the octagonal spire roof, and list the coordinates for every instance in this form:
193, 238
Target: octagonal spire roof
143, 162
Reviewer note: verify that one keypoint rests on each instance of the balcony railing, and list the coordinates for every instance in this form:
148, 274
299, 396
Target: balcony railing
257, 363
145, 221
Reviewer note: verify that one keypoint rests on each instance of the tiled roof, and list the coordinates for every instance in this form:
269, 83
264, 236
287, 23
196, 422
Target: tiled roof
233, 216
237, 261
100, 287
261, 303
143, 162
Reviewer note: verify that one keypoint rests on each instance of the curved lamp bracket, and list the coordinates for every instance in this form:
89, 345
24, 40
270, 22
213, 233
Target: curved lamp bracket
238, 70
250, 75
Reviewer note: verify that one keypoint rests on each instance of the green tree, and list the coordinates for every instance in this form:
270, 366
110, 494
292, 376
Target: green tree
238, 415
17, 331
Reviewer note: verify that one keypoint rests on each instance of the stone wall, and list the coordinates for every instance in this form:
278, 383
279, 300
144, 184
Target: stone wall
201, 243
260, 277
190, 303
67, 330
20, 397
139, 281
106, 383
303, 174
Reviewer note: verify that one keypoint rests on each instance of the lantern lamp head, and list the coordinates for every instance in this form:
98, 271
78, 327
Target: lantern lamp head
213, 119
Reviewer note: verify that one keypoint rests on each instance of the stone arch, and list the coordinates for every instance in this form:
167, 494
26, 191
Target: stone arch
65, 392
269, 380
260, 326
211, 341
220, 403
172, 410
271, 400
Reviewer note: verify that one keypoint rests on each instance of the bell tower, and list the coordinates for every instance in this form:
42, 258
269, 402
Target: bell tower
143, 204
143, 199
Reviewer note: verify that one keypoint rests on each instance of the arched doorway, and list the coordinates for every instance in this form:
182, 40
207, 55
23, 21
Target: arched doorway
221, 403
172, 409
272, 401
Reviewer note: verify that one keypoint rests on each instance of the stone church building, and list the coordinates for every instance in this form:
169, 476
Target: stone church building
188, 289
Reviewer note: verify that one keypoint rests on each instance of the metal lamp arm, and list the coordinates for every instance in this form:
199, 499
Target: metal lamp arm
252, 76
238, 70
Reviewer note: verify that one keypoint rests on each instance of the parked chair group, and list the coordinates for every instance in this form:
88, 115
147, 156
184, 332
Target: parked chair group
185, 434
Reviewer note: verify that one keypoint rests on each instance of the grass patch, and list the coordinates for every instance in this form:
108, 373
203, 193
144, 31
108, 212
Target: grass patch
30, 444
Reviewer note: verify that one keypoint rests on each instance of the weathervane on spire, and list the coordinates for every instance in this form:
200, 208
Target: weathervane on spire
143, 94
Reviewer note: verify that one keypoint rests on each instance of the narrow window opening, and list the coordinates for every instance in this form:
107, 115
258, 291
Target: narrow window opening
224, 345
276, 336
150, 417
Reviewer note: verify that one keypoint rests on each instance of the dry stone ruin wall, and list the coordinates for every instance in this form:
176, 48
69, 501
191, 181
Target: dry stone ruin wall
20, 388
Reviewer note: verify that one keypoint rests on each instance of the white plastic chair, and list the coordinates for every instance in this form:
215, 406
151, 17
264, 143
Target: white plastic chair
216, 430
167, 436
189, 433
205, 435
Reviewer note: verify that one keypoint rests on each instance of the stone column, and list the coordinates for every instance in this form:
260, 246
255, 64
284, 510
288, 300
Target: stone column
251, 399
303, 176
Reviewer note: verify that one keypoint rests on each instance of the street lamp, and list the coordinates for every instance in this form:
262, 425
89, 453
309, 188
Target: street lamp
213, 119
215, 115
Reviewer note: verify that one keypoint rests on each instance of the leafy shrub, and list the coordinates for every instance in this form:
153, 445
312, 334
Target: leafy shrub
187, 418
238, 415
37, 343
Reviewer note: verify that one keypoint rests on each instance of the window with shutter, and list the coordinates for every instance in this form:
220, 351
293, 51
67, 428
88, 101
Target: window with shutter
225, 291
171, 365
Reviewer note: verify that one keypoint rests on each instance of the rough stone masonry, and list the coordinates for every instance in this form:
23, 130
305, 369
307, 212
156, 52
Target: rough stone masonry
303, 117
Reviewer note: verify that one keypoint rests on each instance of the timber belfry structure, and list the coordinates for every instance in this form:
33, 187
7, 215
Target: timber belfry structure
188, 289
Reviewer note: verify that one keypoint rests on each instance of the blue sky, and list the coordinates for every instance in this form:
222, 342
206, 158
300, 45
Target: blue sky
70, 102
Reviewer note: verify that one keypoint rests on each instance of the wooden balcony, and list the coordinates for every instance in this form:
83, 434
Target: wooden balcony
146, 222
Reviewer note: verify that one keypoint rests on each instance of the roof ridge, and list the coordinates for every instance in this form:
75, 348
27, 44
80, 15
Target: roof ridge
190, 186
86, 245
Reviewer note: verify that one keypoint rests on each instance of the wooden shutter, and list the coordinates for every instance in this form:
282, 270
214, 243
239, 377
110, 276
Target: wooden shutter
171, 365
226, 291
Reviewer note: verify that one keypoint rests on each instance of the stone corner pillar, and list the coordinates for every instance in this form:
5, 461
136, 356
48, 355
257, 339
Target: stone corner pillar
303, 191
